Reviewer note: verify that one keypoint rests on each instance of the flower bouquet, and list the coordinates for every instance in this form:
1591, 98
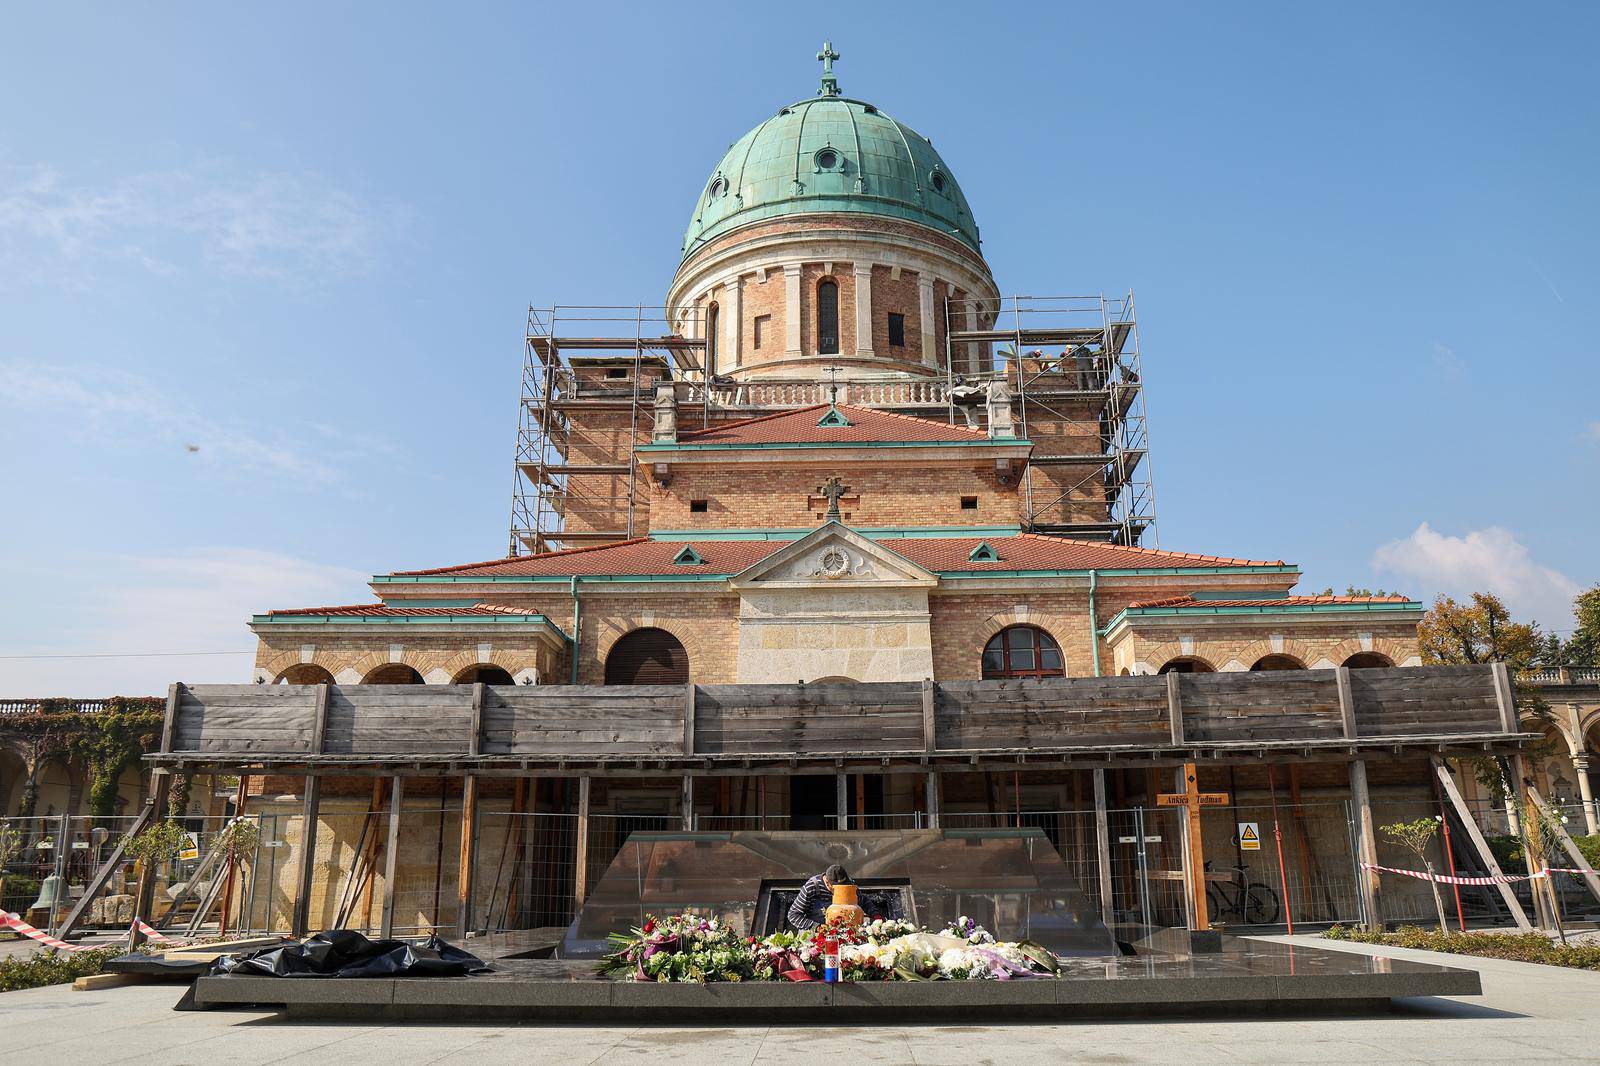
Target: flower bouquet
692, 947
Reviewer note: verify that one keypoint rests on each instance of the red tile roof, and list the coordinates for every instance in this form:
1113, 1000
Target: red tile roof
1283, 601
384, 610
638, 557
1028, 551
867, 426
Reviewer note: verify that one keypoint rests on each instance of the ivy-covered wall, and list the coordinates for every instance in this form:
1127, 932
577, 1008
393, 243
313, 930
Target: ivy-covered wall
102, 743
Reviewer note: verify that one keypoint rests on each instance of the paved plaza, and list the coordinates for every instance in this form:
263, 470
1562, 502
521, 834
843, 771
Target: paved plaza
1528, 1013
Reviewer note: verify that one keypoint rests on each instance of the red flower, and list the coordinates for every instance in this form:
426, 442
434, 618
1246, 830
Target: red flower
649, 925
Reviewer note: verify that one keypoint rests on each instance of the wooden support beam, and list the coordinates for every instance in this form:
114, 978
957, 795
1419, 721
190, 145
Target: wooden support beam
686, 803
930, 741
1102, 845
580, 877
391, 854
1347, 702
1567, 845
1175, 709
841, 800
1452, 793
305, 863
144, 894
467, 871
935, 799
1519, 791
688, 720
1505, 696
97, 883
1367, 882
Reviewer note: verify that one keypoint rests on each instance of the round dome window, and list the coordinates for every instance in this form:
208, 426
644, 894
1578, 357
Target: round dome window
718, 186
938, 181
827, 159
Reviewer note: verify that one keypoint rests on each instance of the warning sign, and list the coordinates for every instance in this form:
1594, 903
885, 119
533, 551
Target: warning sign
1249, 836
191, 847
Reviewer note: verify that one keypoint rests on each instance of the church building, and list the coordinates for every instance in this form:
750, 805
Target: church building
837, 459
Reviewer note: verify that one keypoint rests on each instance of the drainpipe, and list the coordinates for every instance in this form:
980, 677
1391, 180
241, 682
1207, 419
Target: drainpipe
578, 621
1094, 621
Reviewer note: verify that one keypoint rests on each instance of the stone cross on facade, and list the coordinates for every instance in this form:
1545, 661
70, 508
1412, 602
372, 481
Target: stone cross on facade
833, 373
830, 84
832, 489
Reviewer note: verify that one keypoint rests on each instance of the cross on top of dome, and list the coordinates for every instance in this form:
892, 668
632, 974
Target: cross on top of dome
830, 84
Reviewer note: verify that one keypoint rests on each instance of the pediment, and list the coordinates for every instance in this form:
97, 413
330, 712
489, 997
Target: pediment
835, 556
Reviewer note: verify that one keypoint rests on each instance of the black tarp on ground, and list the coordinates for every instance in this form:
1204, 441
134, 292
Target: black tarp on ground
346, 953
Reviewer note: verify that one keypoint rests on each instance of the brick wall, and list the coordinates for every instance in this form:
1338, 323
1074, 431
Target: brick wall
756, 495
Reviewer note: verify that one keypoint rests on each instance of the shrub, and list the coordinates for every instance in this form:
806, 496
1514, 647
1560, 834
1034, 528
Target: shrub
50, 967
1518, 947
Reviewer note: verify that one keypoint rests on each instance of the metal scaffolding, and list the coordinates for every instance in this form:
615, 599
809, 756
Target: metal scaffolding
590, 373
1068, 359
591, 358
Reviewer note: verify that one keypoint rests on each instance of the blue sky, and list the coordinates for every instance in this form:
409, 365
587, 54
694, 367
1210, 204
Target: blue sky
302, 238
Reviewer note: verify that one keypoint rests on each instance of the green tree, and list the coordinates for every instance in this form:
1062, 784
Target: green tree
1584, 647
1415, 838
1481, 631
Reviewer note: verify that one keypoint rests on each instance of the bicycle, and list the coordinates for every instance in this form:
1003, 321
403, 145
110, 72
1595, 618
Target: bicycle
1252, 902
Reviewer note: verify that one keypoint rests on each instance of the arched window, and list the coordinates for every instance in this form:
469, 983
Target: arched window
828, 318
1022, 651
392, 674
1187, 664
1278, 662
713, 316
304, 674
483, 673
647, 657
1368, 660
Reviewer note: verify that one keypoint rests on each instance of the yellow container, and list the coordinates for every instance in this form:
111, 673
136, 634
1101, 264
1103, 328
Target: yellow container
844, 907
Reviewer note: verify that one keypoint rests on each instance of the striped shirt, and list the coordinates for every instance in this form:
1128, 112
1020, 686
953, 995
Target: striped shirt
810, 904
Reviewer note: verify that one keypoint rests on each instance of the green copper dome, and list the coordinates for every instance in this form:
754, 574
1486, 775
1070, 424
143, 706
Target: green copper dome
830, 154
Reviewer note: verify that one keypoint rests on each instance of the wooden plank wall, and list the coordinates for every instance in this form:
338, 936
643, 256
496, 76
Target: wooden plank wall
808, 719
1040, 712
245, 718
1272, 705
673, 720
577, 719
1424, 700
398, 719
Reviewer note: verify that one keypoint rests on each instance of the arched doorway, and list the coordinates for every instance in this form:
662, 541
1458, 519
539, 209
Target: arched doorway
392, 674
1022, 651
647, 657
485, 674
1278, 662
1368, 660
304, 674
1187, 664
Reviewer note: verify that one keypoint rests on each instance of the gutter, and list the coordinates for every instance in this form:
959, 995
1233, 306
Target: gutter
1094, 623
577, 629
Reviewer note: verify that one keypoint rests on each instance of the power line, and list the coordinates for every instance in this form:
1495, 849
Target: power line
123, 654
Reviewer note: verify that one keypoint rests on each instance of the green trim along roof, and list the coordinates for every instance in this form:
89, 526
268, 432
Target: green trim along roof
1275, 607
834, 155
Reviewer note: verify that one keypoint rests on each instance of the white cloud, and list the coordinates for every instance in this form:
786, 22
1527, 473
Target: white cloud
1591, 432
1484, 560
288, 228
135, 605
119, 408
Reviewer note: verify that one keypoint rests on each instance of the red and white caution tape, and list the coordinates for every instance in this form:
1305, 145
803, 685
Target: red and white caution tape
17, 925
150, 932
1447, 879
